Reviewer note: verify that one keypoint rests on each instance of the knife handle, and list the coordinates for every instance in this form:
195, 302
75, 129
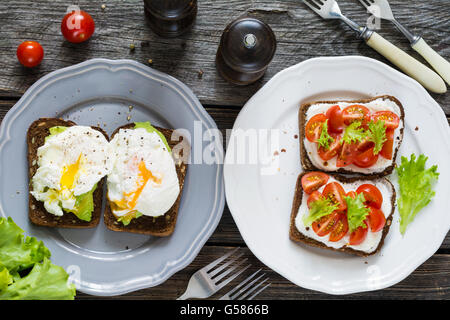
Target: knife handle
439, 64
412, 67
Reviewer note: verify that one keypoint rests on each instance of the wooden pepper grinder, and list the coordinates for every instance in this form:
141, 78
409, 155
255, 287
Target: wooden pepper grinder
170, 18
246, 48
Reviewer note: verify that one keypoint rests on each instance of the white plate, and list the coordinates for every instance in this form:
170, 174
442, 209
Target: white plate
261, 203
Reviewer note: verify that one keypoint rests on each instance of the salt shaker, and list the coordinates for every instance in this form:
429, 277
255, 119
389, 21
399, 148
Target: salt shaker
246, 48
170, 18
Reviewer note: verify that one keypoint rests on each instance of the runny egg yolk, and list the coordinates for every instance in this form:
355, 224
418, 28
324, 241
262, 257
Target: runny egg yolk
130, 199
70, 173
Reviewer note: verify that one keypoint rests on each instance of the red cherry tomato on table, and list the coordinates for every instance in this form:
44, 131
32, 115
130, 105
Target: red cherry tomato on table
391, 120
356, 112
335, 193
314, 127
30, 53
377, 220
313, 181
335, 119
372, 194
77, 26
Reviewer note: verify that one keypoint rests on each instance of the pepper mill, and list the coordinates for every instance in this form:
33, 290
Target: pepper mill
170, 18
246, 48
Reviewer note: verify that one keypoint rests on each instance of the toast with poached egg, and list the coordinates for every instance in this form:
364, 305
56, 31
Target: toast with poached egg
146, 182
66, 168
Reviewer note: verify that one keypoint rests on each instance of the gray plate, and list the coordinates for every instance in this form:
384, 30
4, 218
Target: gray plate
99, 92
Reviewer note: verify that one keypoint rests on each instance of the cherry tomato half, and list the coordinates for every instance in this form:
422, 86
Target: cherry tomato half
340, 228
335, 193
314, 127
334, 150
345, 157
335, 119
324, 225
77, 26
372, 194
356, 112
30, 53
377, 220
365, 159
388, 146
314, 196
391, 120
359, 235
313, 181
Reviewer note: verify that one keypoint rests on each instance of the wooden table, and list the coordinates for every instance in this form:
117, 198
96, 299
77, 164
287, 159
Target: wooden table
301, 35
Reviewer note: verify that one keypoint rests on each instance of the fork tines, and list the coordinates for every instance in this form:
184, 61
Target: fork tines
248, 289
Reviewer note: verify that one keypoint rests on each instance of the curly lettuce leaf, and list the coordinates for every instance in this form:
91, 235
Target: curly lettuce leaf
45, 281
356, 212
18, 252
416, 187
5, 279
325, 139
319, 208
354, 133
377, 134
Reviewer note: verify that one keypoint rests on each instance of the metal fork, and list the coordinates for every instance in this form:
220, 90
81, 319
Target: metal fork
382, 10
209, 279
240, 292
329, 9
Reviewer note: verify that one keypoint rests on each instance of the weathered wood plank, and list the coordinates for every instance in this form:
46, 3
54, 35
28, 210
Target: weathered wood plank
429, 281
300, 33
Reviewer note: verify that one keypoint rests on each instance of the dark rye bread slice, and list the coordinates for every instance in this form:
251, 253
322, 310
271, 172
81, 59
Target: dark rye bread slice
156, 226
297, 236
306, 162
36, 134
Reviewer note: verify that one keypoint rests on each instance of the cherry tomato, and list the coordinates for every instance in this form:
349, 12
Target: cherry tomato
365, 159
314, 196
335, 119
314, 127
391, 120
358, 236
377, 220
364, 145
313, 181
388, 146
348, 152
340, 228
30, 53
324, 225
335, 193
356, 112
372, 194
335, 148
77, 26
351, 194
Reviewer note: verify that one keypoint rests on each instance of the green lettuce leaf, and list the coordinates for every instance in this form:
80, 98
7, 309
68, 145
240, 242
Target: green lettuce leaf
84, 205
146, 125
18, 252
45, 281
5, 279
319, 208
416, 187
377, 134
325, 139
354, 133
356, 212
